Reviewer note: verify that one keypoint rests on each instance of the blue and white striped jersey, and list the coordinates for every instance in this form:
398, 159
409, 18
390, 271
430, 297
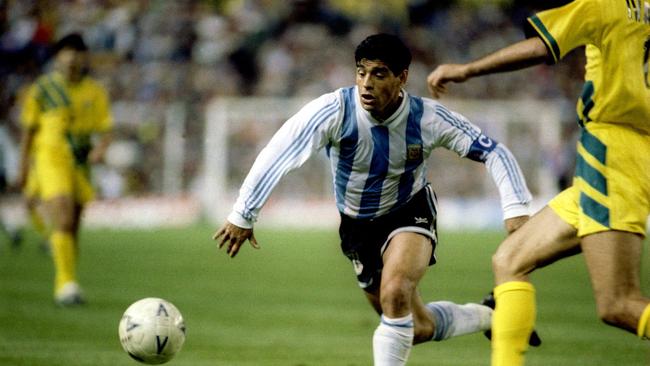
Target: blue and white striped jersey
377, 166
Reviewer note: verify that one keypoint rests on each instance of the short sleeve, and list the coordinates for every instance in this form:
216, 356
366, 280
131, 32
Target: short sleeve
567, 27
30, 108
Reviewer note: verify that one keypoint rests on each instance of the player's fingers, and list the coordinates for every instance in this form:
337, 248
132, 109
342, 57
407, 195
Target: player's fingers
253, 242
440, 90
431, 90
436, 87
233, 248
431, 81
434, 93
217, 234
225, 238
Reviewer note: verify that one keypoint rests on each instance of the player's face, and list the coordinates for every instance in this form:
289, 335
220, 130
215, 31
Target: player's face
72, 63
379, 89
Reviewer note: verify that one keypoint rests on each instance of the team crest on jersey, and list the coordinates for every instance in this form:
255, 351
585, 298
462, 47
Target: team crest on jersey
414, 152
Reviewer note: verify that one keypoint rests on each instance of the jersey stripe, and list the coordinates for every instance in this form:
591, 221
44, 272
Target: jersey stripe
59, 89
276, 170
413, 141
547, 37
587, 102
515, 179
448, 117
371, 197
594, 210
594, 146
590, 175
47, 100
347, 148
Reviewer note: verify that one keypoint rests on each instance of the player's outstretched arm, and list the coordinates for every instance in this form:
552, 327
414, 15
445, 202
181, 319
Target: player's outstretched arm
517, 56
235, 236
26, 141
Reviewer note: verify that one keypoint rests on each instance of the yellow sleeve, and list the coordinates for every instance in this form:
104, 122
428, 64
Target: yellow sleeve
565, 28
31, 108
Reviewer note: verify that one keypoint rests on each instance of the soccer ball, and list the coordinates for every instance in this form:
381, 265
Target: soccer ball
152, 330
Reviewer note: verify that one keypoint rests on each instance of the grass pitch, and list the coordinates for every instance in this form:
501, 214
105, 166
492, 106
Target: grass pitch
294, 302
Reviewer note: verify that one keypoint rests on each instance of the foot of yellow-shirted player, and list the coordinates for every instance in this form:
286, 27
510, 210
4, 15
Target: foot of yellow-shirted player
512, 322
64, 254
643, 330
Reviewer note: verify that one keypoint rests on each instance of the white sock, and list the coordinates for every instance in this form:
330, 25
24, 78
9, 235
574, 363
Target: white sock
453, 320
392, 341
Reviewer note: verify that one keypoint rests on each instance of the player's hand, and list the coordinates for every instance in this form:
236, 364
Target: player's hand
235, 237
21, 180
514, 223
443, 74
95, 156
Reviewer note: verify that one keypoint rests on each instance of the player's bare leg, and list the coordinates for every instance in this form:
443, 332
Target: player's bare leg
405, 262
614, 259
544, 239
406, 319
38, 222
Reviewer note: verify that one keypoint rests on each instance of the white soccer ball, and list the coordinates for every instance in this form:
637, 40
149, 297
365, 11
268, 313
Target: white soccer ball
152, 330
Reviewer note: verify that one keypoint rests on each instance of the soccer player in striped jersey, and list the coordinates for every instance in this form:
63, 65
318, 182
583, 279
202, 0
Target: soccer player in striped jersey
604, 213
61, 114
378, 138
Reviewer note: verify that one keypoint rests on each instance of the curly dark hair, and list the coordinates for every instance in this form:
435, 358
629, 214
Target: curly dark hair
387, 48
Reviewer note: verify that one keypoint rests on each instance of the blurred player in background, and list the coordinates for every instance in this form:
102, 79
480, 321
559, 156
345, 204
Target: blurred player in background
604, 213
63, 111
378, 138
12, 235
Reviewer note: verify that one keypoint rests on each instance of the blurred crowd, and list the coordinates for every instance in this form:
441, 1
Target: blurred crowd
156, 52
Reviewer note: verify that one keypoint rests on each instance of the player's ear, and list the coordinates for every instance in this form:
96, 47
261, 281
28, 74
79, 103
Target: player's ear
403, 76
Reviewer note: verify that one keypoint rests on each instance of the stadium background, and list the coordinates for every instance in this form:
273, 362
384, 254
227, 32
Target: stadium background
165, 62
182, 76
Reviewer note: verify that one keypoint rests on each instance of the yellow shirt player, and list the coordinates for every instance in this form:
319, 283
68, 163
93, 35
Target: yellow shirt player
604, 214
62, 112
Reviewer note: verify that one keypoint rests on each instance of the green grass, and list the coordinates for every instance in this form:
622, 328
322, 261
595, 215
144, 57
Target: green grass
294, 302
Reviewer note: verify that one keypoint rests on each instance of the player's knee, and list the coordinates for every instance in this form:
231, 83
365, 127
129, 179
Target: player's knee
395, 294
503, 263
509, 262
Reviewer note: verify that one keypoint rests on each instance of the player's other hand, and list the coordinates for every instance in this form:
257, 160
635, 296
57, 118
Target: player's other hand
234, 236
514, 223
443, 74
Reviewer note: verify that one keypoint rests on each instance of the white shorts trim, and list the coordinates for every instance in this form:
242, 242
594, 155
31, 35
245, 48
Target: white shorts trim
431, 234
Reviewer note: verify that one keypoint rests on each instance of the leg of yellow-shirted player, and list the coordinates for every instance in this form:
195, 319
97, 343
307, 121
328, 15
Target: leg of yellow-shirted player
64, 255
512, 322
643, 330
37, 222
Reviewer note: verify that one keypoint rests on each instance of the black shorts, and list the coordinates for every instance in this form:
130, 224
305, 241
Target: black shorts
364, 241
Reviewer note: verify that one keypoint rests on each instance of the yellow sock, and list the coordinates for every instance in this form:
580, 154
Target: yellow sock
38, 223
64, 254
512, 322
643, 331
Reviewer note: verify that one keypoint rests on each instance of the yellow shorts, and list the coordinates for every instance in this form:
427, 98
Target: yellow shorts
611, 187
56, 174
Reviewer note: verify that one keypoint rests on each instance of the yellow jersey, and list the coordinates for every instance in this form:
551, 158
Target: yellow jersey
65, 115
616, 34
